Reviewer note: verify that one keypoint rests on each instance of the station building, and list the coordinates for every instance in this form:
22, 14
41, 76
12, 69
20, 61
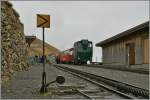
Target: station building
30, 39
130, 47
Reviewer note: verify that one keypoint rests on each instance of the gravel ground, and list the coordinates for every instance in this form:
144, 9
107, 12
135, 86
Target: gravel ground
26, 85
136, 79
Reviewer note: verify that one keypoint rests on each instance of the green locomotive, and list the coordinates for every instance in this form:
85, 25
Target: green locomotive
83, 51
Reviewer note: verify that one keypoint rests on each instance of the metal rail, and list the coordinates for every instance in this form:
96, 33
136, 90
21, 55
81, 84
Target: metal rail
84, 94
115, 86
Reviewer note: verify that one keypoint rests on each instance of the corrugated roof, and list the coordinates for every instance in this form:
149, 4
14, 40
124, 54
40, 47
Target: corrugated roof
30, 37
125, 33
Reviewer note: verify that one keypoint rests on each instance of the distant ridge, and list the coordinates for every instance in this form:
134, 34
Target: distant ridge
36, 48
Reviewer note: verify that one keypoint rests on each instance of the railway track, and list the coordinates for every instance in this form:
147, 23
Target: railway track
125, 90
88, 94
81, 89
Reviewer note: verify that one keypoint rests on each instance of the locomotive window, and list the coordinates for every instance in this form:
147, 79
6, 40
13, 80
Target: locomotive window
79, 44
90, 45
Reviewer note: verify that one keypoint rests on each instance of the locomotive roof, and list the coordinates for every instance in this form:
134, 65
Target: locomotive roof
83, 40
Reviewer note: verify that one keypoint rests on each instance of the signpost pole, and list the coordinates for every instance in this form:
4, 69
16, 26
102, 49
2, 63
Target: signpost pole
43, 51
43, 21
43, 88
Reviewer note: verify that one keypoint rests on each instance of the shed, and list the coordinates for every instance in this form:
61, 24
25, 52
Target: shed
130, 47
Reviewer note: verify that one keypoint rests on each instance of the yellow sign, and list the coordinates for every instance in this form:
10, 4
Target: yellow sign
43, 20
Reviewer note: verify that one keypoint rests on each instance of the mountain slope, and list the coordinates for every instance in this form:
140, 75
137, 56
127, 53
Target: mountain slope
36, 48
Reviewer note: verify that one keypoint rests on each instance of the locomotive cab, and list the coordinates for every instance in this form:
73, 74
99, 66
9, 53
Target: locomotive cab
83, 51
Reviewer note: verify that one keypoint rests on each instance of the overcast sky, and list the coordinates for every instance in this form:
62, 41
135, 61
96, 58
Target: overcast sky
75, 20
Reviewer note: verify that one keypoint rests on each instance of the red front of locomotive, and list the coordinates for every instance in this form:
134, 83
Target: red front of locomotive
66, 56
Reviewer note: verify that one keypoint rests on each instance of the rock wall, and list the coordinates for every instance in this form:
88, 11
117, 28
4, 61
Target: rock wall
14, 47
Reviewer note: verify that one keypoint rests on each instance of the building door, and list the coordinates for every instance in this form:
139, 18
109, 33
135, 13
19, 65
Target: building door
145, 50
130, 48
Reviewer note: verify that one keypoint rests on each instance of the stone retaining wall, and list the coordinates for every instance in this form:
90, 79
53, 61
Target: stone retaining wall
14, 47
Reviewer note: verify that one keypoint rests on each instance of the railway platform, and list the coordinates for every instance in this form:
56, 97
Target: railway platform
143, 69
26, 84
135, 79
